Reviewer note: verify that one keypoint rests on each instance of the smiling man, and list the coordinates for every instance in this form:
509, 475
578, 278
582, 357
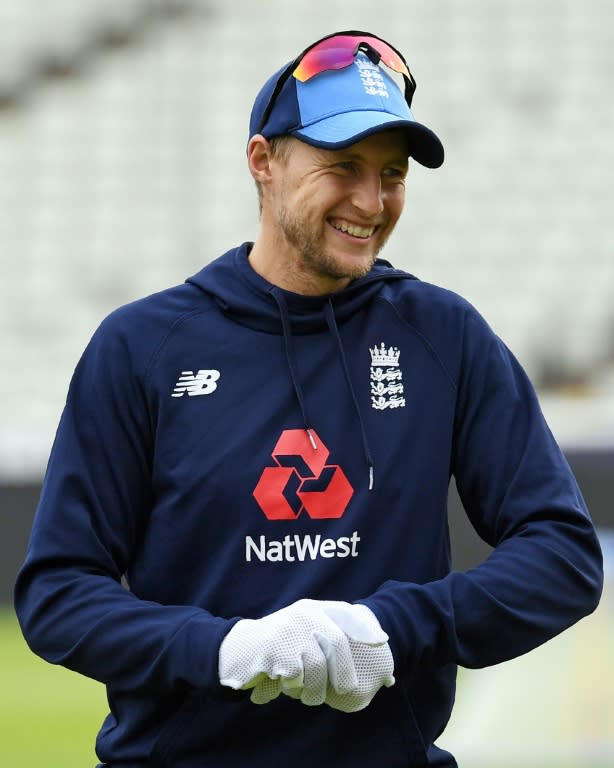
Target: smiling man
262, 455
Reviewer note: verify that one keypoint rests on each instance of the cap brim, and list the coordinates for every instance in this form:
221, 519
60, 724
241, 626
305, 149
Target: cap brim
340, 131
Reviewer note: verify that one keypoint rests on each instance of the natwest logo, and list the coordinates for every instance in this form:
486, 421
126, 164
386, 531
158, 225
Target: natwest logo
302, 480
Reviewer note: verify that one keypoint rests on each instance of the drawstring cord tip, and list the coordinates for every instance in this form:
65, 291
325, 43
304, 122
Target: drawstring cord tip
371, 477
311, 439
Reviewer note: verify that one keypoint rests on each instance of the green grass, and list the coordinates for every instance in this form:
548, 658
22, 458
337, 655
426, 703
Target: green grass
49, 716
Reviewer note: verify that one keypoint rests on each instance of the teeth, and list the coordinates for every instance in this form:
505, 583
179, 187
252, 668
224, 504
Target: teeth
354, 229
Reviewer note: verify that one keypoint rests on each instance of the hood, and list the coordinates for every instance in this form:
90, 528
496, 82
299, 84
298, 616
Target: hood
249, 299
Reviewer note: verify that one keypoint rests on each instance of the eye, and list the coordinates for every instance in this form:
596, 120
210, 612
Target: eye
394, 174
345, 165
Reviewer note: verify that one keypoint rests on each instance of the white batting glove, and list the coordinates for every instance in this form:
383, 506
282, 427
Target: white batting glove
283, 652
351, 686
373, 665
315, 651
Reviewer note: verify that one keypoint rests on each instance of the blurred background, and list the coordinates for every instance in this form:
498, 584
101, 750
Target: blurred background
123, 128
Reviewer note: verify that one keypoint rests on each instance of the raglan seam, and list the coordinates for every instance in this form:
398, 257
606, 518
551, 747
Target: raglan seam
427, 344
156, 353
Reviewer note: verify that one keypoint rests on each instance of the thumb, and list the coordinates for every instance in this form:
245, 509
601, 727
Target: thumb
340, 664
357, 621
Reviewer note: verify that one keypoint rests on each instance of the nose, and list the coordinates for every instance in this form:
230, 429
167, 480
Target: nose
367, 194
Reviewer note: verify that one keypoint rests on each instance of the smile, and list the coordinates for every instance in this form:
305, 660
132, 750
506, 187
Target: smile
355, 230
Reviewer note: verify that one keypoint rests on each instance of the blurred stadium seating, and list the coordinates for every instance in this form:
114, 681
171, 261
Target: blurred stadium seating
122, 171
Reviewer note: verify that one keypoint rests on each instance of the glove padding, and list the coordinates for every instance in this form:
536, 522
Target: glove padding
315, 651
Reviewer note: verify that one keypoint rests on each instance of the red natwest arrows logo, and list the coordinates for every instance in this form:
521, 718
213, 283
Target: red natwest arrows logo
302, 480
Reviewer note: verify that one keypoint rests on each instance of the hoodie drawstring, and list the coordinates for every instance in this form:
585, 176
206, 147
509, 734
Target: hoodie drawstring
285, 323
332, 325
290, 357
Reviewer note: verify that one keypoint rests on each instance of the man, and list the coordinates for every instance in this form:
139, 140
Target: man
262, 456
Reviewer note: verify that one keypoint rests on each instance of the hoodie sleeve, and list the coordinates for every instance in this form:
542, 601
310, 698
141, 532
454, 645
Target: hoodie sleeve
93, 508
545, 572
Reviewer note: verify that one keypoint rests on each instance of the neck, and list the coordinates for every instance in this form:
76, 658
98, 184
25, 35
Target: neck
279, 266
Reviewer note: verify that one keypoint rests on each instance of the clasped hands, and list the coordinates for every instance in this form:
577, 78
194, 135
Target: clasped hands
317, 651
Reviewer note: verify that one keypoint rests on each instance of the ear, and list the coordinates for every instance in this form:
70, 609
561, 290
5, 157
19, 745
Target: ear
259, 158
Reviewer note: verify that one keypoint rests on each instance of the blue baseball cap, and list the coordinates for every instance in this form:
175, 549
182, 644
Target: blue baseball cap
340, 107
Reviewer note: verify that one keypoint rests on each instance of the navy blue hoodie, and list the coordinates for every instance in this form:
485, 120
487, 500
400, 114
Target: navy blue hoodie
228, 448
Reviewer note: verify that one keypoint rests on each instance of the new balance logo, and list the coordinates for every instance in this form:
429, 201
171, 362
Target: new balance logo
204, 382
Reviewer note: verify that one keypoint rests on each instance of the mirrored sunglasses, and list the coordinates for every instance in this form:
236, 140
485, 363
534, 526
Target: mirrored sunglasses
337, 51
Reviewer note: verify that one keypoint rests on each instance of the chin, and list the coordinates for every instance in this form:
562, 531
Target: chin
350, 267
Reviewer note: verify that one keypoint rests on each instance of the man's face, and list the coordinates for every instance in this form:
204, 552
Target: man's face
332, 211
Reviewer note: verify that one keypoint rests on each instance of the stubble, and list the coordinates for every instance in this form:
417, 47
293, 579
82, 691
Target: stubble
313, 258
